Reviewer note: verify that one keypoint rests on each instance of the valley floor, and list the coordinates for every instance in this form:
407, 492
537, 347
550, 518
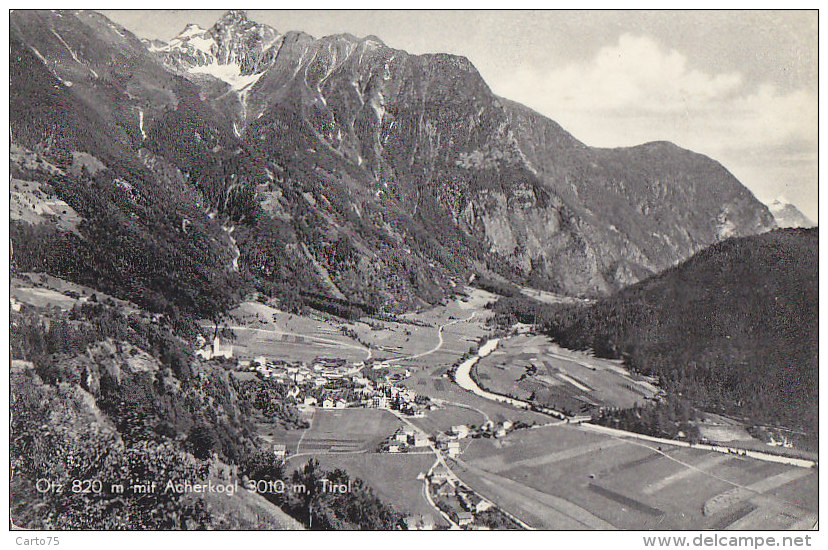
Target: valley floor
550, 474
481, 450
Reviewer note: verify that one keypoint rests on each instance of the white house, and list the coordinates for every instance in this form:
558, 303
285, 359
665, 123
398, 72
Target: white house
439, 477
453, 448
482, 506
279, 450
460, 430
464, 518
446, 490
327, 404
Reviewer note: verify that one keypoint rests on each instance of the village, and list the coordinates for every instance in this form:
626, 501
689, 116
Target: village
325, 383
445, 460
407, 438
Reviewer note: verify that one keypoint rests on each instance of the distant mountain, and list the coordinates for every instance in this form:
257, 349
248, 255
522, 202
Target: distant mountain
341, 167
734, 329
788, 215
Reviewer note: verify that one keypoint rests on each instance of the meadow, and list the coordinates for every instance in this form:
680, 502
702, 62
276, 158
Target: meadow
630, 484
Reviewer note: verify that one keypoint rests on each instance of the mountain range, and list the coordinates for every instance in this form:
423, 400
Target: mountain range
239, 157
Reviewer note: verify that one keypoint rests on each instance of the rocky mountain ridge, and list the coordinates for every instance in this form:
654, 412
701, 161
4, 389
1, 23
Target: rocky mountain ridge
354, 169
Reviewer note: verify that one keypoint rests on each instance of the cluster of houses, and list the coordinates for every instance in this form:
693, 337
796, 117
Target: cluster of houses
781, 442
404, 439
450, 442
335, 384
461, 503
407, 438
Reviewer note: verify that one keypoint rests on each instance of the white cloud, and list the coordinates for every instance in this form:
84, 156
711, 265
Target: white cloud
636, 91
635, 73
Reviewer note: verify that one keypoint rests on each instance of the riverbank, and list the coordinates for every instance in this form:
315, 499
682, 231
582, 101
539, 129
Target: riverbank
463, 378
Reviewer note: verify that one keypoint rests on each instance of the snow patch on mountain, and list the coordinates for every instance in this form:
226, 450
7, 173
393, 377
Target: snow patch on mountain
191, 30
141, 123
228, 73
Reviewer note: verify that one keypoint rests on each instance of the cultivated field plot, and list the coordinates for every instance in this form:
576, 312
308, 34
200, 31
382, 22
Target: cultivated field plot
344, 431
31, 202
431, 383
437, 336
442, 419
42, 297
390, 340
565, 477
43, 290
251, 343
559, 378
392, 476
549, 297
262, 330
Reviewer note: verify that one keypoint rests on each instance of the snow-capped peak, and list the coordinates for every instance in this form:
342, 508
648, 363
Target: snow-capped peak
235, 50
788, 215
191, 30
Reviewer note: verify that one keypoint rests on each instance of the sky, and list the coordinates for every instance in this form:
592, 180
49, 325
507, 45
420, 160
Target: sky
738, 86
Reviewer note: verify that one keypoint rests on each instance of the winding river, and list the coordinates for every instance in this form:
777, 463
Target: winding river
462, 376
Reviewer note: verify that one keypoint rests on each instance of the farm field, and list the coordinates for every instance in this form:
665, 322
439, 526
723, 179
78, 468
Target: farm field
43, 290
338, 431
392, 476
528, 365
33, 202
631, 484
262, 330
553, 476
442, 419
444, 391
250, 344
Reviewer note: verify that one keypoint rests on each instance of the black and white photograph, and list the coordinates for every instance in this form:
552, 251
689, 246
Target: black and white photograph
402, 269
